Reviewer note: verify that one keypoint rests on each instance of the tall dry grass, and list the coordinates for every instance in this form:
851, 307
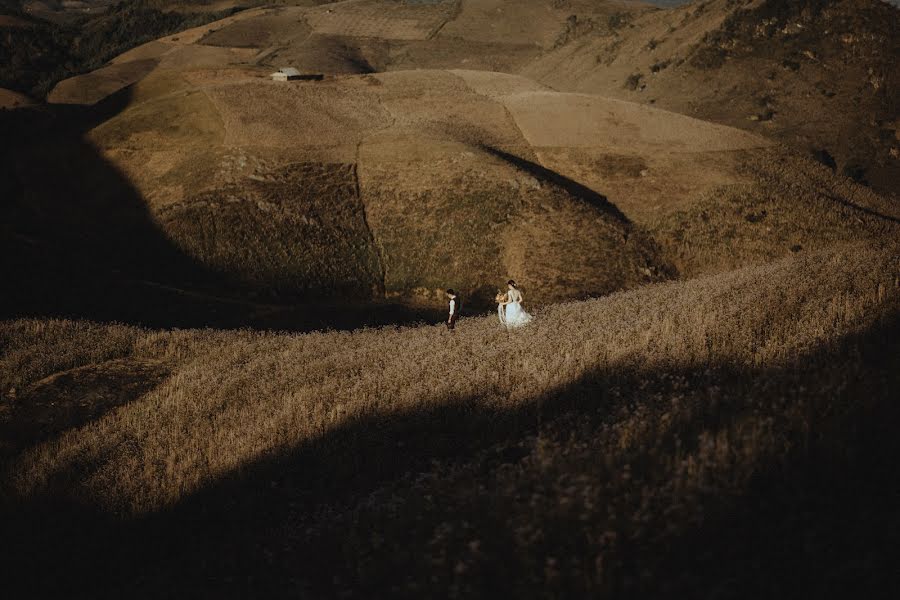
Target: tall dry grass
787, 204
234, 398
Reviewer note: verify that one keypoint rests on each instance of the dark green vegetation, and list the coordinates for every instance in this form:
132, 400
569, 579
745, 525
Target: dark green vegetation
34, 58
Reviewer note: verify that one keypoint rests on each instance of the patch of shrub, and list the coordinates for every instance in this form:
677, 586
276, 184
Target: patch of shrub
660, 66
634, 81
617, 20
825, 157
709, 57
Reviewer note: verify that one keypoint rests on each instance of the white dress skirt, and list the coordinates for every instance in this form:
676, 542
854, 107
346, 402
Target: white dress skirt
514, 316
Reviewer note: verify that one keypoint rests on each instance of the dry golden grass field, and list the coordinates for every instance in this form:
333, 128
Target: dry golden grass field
223, 368
581, 456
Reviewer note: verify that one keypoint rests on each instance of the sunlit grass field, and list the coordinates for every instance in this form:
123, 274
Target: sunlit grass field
571, 458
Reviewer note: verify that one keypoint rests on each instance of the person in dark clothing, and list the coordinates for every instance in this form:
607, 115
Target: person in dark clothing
455, 305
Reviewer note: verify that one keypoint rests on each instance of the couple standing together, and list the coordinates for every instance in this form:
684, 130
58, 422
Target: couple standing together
509, 307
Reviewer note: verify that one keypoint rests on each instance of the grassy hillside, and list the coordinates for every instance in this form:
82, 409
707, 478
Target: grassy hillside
361, 187
762, 66
394, 187
684, 186
573, 457
819, 75
786, 204
302, 230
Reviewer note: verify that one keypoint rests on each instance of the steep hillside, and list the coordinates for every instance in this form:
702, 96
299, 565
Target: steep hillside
819, 75
363, 36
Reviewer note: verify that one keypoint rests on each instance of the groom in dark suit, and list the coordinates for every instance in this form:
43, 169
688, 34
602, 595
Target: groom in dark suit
455, 305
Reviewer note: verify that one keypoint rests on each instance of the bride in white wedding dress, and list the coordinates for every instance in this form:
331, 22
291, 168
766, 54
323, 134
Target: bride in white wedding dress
509, 307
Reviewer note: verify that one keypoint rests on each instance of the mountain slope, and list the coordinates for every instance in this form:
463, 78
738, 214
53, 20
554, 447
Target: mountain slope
819, 75
431, 164
396, 185
760, 65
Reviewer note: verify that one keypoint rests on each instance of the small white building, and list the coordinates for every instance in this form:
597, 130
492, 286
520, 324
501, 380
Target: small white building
286, 74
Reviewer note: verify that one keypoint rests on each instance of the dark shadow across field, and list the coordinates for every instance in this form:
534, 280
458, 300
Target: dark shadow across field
819, 521
862, 209
74, 398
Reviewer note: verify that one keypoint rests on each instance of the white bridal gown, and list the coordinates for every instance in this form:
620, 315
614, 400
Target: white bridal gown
514, 315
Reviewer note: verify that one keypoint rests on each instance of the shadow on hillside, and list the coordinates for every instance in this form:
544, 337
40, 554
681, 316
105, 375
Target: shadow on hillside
77, 241
867, 211
814, 522
574, 188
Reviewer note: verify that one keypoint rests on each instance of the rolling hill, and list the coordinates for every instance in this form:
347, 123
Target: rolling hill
397, 184
220, 373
